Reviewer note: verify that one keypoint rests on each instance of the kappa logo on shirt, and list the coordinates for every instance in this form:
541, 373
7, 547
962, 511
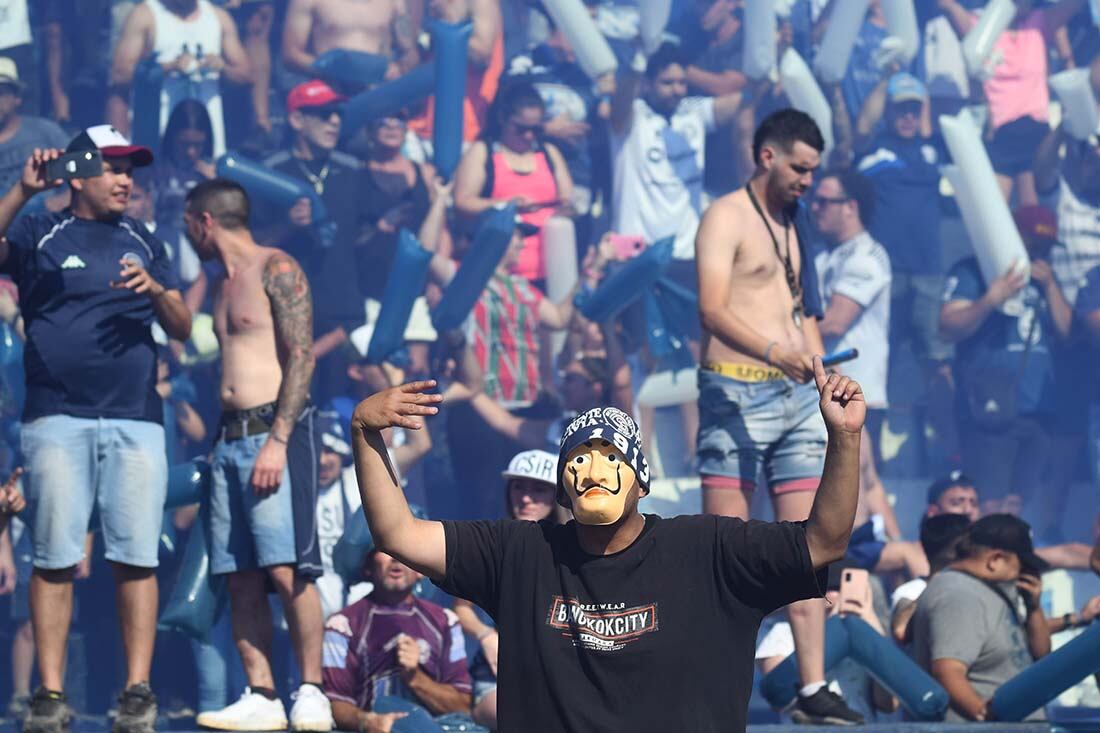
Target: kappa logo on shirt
72, 262
604, 627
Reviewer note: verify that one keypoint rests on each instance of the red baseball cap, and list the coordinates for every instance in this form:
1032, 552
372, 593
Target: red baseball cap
313, 93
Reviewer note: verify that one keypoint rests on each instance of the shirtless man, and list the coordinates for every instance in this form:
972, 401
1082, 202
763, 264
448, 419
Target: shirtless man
264, 322
381, 27
759, 307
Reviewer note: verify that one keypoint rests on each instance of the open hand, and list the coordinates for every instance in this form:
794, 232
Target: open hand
137, 278
1007, 285
1031, 588
267, 472
842, 403
395, 407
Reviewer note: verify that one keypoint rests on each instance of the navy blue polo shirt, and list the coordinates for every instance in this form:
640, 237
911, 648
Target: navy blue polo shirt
90, 350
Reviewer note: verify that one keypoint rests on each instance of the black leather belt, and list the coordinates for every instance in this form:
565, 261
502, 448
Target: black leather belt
237, 424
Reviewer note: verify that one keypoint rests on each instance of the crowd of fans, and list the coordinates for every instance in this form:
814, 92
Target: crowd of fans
621, 162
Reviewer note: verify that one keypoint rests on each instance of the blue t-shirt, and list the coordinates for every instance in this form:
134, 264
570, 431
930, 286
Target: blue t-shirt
906, 176
90, 350
999, 342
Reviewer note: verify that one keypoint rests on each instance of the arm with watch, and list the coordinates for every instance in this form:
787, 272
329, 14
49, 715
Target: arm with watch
1071, 620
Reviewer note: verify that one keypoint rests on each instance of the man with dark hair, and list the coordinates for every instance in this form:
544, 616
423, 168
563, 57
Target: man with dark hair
264, 323
94, 281
589, 613
854, 276
968, 631
939, 537
759, 305
953, 494
658, 150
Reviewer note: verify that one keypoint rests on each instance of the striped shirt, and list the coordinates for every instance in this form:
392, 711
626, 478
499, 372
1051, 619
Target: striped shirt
1079, 232
505, 335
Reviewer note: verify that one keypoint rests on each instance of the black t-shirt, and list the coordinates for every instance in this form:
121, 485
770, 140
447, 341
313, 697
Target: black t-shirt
657, 637
90, 350
336, 300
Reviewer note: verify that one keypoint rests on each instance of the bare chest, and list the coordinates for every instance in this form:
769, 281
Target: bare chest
242, 306
769, 251
341, 17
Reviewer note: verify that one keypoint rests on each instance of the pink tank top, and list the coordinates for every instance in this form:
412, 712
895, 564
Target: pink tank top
538, 185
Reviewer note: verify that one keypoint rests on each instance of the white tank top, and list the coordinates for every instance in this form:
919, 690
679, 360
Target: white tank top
171, 32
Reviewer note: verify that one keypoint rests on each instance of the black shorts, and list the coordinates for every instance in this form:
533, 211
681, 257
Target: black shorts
1012, 149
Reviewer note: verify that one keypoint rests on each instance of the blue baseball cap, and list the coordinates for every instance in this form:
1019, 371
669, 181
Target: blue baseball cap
333, 438
904, 87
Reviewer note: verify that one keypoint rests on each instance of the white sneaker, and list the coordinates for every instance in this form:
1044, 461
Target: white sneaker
312, 711
253, 712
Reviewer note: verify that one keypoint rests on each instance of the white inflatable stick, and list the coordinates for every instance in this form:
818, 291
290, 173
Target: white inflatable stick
979, 41
760, 38
901, 23
559, 247
804, 94
831, 60
654, 15
593, 53
1079, 107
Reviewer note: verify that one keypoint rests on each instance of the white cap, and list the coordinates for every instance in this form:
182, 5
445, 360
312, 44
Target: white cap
9, 72
537, 465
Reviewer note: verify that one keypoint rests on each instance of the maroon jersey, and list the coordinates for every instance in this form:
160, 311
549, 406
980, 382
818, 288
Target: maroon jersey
359, 664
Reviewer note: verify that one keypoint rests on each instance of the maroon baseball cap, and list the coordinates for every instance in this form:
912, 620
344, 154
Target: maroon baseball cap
313, 93
1036, 222
112, 144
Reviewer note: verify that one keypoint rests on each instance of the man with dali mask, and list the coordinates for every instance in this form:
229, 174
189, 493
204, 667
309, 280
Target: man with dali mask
618, 620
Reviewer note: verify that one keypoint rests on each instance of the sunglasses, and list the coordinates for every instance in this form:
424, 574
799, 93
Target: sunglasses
325, 112
824, 201
527, 129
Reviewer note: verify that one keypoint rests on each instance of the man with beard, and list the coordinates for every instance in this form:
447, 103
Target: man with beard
93, 283
264, 322
759, 307
594, 614
391, 653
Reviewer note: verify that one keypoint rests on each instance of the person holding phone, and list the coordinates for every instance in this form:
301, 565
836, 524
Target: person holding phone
95, 282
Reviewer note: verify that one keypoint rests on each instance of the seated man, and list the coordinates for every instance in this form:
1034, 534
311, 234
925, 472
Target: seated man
969, 631
939, 538
389, 645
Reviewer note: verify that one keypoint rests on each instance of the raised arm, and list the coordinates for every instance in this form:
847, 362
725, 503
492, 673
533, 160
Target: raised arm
32, 181
622, 101
869, 115
488, 25
958, 16
404, 38
418, 543
960, 319
834, 508
1048, 160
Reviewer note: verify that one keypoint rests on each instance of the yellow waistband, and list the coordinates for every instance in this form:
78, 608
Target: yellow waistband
744, 372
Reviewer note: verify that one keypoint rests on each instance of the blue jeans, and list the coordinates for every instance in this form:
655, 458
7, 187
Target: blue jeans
748, 427
77, 465
247, 531
420, 720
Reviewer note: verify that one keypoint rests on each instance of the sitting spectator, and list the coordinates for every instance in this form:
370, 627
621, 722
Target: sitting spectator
485, 63
1016, 88
1003, 365
512, 163
194, 42
313, 27
530, 483
20, 134
658, 153
953, 494
939, 538
968, 631
389, 645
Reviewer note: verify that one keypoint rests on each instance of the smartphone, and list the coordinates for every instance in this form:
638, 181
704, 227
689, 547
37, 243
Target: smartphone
839, 357
78, 164
853, 585
627, 246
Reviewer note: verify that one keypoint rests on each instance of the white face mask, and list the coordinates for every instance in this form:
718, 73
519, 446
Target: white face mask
598, 481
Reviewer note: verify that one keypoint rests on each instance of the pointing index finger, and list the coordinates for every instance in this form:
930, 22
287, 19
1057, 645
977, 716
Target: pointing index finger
819, 372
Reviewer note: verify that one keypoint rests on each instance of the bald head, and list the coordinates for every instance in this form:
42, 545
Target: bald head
225, 201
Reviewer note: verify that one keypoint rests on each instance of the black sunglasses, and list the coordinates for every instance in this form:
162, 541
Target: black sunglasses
324, 112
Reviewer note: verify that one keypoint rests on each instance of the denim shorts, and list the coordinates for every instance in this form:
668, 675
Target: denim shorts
75, 465
747, 427
246, 531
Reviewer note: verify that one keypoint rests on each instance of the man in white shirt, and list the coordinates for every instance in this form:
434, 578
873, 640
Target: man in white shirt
658, 142
855, 281
337, 499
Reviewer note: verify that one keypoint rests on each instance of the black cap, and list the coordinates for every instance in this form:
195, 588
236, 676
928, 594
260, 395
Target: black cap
1007, 532
950, 481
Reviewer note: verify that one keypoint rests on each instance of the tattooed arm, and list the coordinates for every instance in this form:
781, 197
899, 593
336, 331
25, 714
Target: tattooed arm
292, 311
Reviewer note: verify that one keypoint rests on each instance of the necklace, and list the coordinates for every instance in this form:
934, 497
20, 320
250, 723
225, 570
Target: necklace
784, 256
317, 179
